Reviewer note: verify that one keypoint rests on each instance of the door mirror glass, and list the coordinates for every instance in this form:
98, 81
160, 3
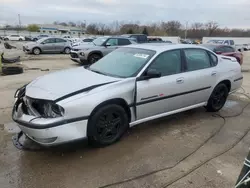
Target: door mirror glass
152, 73
107, 44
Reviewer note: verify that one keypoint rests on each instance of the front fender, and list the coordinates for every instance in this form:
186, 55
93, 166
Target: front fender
84, 103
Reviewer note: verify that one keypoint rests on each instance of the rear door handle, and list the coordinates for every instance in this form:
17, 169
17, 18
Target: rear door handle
179, 80
213, 73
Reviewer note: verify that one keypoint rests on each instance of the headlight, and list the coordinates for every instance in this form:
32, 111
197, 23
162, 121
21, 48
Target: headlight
46, 109
52, 110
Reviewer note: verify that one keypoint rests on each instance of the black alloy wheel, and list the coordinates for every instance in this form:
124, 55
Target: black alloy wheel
107, 125
94, 58
218, 98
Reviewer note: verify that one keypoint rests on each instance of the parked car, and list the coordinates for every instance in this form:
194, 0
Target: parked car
154, 40
90, 53
40, 37
83, 41
225, 50
48, 45
226, 42
139, 38
14, 37
129, 86
246, 47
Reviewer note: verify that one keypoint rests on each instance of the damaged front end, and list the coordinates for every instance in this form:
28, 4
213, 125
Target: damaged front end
38, 108
35, 114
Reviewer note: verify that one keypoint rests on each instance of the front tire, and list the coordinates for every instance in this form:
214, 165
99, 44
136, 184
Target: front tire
67, 50
94, 58
36, 51
20, 39
218, 98
107, 125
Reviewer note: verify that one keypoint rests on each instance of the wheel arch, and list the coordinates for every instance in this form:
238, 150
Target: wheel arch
36, 47
118, 101
227, 83
95, 52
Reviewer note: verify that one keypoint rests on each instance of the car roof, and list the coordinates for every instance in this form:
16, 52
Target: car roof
161, 47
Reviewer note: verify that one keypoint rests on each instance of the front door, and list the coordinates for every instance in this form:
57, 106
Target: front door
110, 45
48, 45
160, 95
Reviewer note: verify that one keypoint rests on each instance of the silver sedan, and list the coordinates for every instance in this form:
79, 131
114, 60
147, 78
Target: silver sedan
48, 45
131, 85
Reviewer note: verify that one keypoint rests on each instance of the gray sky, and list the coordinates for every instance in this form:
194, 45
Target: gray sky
228, 13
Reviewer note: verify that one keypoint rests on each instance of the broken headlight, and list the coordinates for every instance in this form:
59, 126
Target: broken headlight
52, 110
46, 109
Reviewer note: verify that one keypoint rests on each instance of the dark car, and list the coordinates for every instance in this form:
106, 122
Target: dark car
225, 50
140, 38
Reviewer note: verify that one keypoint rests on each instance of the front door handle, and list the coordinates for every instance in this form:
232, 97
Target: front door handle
179, 80
213, 73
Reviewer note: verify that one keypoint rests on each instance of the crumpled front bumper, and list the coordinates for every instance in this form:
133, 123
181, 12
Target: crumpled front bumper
49, 131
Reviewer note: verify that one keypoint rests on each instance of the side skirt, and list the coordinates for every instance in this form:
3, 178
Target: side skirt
166, 114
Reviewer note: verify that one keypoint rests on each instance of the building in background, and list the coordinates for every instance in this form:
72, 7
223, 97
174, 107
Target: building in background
60, 30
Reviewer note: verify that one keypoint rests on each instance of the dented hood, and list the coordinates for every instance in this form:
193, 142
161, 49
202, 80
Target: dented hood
63, 83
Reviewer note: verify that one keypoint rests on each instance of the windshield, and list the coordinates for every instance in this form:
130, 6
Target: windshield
99, 41
124, 62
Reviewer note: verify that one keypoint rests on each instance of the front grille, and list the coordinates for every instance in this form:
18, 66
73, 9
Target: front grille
73, 55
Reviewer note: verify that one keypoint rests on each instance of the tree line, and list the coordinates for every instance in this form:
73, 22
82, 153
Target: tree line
195, 30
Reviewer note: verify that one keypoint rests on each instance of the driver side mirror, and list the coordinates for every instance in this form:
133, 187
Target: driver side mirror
42, 42
107, 44
151, 73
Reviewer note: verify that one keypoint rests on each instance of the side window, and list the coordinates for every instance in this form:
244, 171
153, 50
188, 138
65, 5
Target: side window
122, 42
214, 59
231, 42
87, 40
167, 63
197, 59
112, 42
142, 38
229, 49
221, 49
51, 40
226, 42
60, 40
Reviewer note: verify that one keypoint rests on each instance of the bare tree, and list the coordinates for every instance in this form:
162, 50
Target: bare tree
172, 27
211, 27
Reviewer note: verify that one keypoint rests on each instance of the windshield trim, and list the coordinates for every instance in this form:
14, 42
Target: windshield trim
133, 75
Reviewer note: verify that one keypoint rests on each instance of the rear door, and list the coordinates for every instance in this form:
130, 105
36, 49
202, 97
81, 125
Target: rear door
200, 75
60, 44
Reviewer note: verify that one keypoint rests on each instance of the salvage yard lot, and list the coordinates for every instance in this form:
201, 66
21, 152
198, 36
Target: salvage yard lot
191, 149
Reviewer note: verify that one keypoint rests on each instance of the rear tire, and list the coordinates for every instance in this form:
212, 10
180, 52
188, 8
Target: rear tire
218, 98
36, 51
107, 125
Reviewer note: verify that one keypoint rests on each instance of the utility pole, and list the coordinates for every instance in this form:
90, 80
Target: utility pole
19, 20
186, 30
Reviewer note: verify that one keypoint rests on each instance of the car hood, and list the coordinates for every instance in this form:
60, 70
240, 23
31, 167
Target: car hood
30, 44
84, 46
64, 83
